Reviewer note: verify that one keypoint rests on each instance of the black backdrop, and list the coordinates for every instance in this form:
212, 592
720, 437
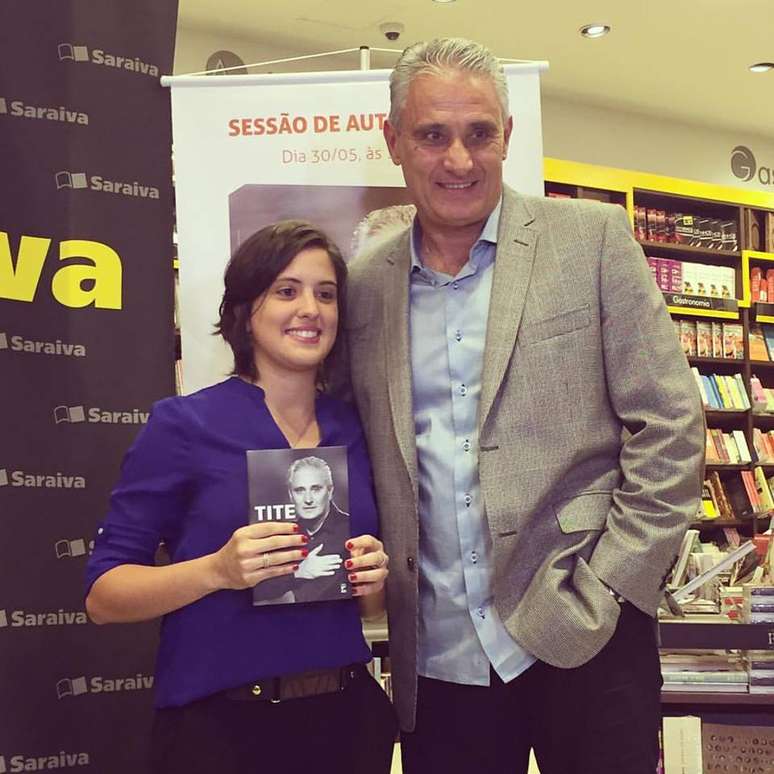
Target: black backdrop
86, 346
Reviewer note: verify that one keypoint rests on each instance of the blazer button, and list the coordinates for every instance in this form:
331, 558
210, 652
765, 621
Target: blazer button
411, 563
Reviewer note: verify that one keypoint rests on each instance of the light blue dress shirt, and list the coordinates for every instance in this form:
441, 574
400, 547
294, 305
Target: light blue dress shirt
460, 632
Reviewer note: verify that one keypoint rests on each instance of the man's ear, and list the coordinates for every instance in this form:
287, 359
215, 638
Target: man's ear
507, 136
391, 139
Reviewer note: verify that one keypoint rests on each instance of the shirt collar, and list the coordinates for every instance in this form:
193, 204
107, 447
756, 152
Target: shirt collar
488, 234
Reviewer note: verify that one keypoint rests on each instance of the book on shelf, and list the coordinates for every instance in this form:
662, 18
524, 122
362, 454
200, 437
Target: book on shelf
717, 339
709, 507
310, 488
768, 336
703, 338
690, 539
733, 341
682, 741
758, 348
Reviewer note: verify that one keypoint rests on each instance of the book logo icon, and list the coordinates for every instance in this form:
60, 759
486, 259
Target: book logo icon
70, 548
74, 53
66, 179
70, 414
743, 163
3, 340
3, 619
71, 687
3, 105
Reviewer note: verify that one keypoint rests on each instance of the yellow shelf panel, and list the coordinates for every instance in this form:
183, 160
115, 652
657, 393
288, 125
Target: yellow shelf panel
625, 181
703, 312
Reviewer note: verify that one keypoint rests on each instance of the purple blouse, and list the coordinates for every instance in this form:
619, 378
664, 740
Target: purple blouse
184, 482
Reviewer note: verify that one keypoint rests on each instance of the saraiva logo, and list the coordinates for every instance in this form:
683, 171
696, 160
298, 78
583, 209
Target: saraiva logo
29, 480
94, 415
70, 549
745, 166
73, 53
60, 760
17, 108
26, 619
76, 180
77, 686
92, 274
16, 343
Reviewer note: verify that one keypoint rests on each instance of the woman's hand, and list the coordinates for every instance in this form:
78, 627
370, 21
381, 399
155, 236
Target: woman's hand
367, 569
257, 552
316, 566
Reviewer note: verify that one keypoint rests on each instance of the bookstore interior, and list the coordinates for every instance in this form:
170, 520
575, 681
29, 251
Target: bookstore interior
699, 192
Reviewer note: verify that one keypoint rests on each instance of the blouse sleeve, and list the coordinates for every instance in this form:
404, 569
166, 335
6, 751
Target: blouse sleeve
149, 500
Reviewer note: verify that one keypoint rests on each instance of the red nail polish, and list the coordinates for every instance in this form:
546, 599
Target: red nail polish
295, 528
304, 538
295, 567
353, 576
304, 552
350, 545
348, 563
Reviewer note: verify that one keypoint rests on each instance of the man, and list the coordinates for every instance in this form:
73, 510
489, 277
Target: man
537, 442
310, 486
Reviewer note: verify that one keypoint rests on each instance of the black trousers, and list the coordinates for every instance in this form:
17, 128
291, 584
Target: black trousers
600, 718
350, 731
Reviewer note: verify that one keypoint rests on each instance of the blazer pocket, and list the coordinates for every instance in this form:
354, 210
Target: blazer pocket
587, 511
559, 325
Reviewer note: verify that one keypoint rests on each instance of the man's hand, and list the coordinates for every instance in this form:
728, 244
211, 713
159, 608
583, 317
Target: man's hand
316, 566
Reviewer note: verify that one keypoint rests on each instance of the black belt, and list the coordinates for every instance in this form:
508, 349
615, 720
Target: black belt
276, 689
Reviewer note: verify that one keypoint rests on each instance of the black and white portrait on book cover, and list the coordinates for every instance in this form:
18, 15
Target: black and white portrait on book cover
309, 487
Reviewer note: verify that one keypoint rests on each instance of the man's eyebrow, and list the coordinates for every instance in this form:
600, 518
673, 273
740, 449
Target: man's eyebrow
428, 127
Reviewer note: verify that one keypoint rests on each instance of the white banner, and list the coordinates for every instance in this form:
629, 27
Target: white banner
250, 150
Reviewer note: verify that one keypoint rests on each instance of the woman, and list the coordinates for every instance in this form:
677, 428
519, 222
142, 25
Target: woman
241, 688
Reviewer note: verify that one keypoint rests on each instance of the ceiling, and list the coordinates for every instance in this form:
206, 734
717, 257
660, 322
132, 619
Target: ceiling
684, 60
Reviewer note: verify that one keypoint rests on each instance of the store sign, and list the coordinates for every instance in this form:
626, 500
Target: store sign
745, 166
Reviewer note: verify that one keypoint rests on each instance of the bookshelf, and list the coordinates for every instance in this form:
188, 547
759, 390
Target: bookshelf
733, 232
740, 238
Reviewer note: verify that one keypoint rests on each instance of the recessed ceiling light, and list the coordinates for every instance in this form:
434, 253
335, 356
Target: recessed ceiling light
443, 2
594, 30
762, 67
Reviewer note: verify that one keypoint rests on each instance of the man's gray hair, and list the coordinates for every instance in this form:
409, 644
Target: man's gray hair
442, 54
310, 462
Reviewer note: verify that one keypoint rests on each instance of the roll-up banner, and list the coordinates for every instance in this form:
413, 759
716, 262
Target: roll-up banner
86, 346
250, 150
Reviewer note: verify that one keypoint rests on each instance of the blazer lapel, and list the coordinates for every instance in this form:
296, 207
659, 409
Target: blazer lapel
516, 245
398, 354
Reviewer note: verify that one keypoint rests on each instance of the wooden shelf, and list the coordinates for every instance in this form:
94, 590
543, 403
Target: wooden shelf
689, 250
722, 697
676, 635
716, 361
718, 523
719, 466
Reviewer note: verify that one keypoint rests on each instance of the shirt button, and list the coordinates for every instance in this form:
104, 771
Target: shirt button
473, 557
481, 613
466, 446
411, 563
468, 500
463, 390
456, 285
458, 335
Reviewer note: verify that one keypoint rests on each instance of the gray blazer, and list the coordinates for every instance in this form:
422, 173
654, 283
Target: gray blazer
591, 429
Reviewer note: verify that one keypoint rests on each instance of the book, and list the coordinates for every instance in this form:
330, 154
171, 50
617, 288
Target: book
309, 487
768, 335
703, 339
717, 339
682, 745
733, 340
758, 349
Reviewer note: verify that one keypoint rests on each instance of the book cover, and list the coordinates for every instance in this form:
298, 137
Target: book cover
726, 511
733, 341
309, 487
703, 338
755, 283
741, 444
768, 335
742, 390
717, 339
688, 337
758, 348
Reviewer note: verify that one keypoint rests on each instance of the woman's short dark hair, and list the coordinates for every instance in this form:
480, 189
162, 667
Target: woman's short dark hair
255, 265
